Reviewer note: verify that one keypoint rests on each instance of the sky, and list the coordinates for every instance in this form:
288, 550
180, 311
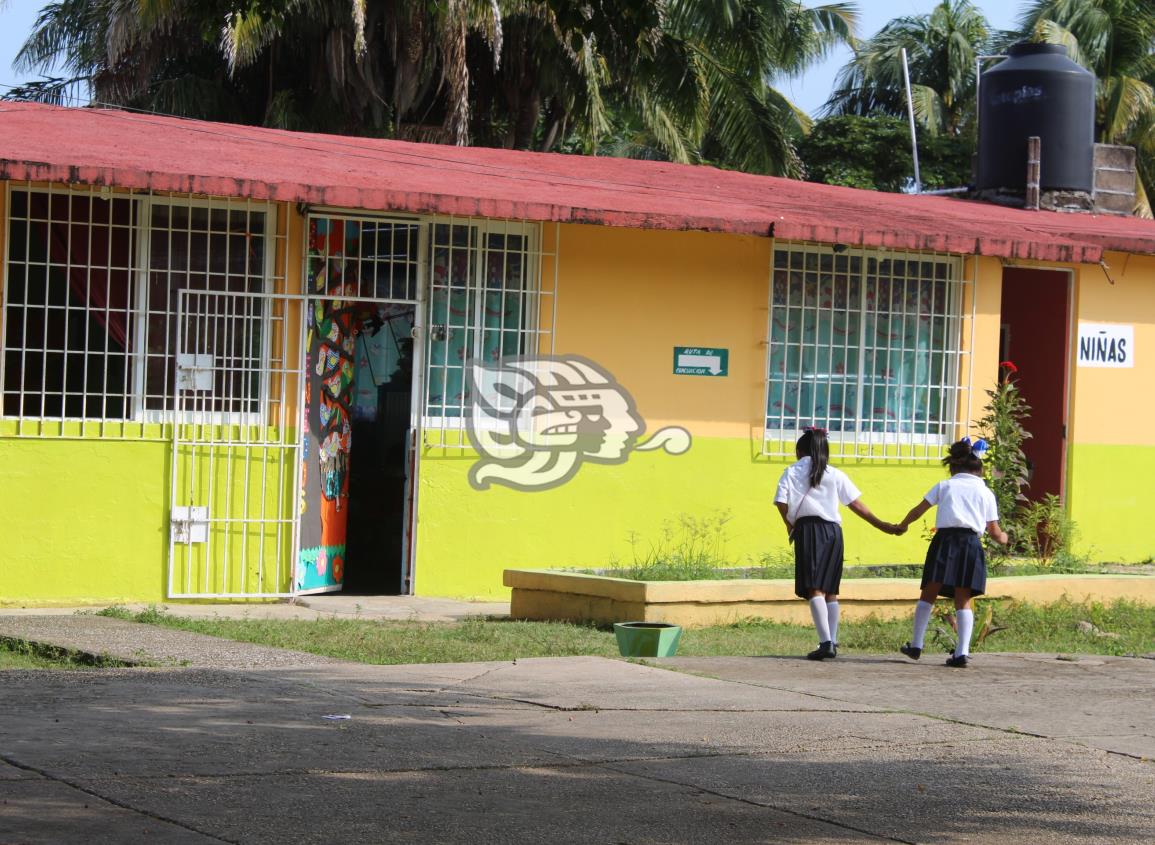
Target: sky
809, 91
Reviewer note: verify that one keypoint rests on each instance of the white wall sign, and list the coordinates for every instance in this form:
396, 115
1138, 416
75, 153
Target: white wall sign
1106, 345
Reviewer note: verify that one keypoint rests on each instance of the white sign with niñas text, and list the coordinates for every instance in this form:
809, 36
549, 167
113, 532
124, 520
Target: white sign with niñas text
1106, 345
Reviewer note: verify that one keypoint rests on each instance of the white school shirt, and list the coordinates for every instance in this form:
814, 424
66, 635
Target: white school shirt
964, 501
821, 501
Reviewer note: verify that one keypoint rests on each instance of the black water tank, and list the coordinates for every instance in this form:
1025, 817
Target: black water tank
1037, 91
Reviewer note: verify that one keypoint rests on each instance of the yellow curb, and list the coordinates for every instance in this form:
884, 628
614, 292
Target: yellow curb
550, 595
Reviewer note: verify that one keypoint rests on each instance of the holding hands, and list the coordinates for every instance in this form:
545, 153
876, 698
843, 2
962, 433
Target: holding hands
859, 507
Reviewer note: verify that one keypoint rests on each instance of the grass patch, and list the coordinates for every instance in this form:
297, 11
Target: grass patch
22, 654
781, 566
1121, 628
693, 548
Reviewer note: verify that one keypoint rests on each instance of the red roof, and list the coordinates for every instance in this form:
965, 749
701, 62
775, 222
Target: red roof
106, 147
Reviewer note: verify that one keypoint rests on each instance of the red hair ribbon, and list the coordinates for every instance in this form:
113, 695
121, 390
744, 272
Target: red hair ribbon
814, 428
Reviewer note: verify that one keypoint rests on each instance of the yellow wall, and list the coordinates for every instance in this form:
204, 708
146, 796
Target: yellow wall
83, 520
1114, 406
984, 328
88, 518
627, 298
466, 538
91, 515
84, 506
1111, 457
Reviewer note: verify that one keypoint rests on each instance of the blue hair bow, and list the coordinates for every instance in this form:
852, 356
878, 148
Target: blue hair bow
978, 445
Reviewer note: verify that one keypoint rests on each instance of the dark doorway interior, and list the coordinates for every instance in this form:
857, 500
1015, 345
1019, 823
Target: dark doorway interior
378, 454
1036, 338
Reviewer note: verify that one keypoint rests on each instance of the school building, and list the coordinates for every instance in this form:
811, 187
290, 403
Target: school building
240, 362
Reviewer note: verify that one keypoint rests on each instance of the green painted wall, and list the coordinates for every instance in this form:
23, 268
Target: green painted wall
467, 537
83, 520
86, 520
1110, 499
248, 488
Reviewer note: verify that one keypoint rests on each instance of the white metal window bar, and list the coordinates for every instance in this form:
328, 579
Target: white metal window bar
204, 245
492, 295
867, 344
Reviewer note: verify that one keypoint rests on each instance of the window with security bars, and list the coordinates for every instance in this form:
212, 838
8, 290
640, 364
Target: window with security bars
484, 306
67, 305
865, 344
202, 248
91, 299
365, 257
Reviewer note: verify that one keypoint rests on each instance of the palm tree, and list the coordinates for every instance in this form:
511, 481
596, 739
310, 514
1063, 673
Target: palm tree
1115, 39
317, 64
941, 48
692, 75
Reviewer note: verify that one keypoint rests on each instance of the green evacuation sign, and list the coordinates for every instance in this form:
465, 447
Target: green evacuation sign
700, 361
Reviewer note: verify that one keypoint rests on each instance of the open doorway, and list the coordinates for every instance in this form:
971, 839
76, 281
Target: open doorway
378, 465
1035, 336
357, 468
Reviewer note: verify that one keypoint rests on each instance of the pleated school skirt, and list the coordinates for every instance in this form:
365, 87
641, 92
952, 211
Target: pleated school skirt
817, 556
956, 559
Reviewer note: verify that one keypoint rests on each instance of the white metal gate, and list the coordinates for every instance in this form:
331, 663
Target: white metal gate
240, 368
236, 457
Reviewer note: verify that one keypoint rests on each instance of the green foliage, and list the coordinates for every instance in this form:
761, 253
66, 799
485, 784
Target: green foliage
151, 615
686, 79
1006, 464
941, 49
690, 548
1048, 533
17, 653
874, 153
1041, 531
778, 564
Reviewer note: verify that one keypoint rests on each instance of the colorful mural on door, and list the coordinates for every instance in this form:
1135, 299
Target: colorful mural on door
331, 343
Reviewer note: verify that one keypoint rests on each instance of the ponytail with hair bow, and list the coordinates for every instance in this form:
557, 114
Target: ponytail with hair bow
978, 446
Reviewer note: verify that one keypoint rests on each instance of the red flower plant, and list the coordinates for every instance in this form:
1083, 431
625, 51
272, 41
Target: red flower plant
1008, 366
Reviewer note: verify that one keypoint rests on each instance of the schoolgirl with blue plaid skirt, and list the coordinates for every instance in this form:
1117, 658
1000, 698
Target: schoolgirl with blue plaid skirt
956, 565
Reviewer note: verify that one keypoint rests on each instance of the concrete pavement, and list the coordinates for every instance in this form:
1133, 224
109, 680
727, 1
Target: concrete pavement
398, 608
134, 644
583, 750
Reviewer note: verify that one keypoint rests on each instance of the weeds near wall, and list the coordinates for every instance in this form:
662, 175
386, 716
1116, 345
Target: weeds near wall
1007, 466
689, 548
1049, 534
1042, 530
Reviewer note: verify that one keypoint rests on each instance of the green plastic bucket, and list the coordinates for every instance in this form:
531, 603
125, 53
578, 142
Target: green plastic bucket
647, 639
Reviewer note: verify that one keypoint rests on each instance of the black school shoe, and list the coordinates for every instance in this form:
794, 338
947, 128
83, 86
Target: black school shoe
825, 651
911, 652
959, 662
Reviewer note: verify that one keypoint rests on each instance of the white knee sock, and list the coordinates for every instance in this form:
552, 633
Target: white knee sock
966, 624
832, 615
922, 612
818, 614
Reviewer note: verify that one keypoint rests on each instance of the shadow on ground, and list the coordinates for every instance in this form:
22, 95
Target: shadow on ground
577, 750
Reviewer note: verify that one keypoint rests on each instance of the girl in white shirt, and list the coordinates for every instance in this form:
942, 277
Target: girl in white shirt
956, 565
809, 493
